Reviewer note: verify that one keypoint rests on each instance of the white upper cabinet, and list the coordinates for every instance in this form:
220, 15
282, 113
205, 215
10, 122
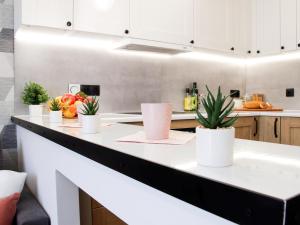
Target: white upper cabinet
288, 25
247, 32
298, 24
216, 24
169, 21
268, 26
102, 16
48, 13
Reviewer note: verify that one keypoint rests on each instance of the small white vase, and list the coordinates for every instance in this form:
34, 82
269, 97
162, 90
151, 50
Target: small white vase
35, 110
215, 146
55, 116
90, 124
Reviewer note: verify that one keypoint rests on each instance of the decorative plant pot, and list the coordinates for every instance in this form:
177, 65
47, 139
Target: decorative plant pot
90, 124
79, 108
157, 120
215, 146
35, 110
55, 116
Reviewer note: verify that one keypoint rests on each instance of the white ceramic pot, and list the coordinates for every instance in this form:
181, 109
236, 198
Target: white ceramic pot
215, 146
79, 108
35, 110
90, 124
55, 116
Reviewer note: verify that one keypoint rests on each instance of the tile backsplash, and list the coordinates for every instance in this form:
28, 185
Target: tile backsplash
127, 79
273, 78
6, 62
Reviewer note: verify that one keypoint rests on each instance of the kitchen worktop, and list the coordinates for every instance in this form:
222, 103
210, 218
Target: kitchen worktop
262, 187
135, 117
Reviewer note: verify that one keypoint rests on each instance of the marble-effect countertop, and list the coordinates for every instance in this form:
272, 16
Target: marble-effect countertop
266, 168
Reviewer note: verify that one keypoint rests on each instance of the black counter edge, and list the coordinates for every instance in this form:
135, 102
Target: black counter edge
232, 203
293, 211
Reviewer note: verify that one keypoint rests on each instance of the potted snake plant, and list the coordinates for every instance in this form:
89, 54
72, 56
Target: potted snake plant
34, 95
215, 135
55, 114
90, 119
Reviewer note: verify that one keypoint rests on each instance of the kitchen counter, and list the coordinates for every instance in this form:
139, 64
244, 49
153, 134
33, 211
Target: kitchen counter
127, 118
262, 187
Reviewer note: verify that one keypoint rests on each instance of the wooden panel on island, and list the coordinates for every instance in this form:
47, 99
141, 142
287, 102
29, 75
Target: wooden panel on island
290, 131
93, 213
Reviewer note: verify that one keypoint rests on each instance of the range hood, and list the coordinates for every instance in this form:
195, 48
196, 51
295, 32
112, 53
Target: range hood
133, 44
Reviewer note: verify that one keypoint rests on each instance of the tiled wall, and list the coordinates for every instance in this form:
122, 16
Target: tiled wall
272, 78
127, 79
6, 62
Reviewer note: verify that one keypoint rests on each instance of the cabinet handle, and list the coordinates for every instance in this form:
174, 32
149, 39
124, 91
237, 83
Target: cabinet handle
282, 47
257, 51
275, 128
69, 24
232, 49
126, 31
192, 41
249, 52
256, 127
299, 45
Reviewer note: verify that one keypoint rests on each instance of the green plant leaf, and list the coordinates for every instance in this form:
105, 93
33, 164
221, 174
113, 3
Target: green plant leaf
216, 111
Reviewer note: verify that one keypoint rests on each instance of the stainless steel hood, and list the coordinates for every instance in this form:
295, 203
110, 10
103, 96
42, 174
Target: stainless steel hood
152, 46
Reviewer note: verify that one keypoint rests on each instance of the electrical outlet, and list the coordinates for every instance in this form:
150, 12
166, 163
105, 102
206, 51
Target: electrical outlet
74, 88
90, 90
290, 92
235, 93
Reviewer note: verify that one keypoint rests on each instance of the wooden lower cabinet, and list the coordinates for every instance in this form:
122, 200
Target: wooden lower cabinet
93, 213
290, 131
247, 128
269, 129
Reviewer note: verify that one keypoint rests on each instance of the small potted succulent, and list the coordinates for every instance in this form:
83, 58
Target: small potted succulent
215, 135
34, 95
90, 119
55, 114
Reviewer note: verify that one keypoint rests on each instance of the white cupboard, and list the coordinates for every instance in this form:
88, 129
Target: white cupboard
54, 13
288, 25
105, 16
298, 24
169, 21
216, 24
268, 27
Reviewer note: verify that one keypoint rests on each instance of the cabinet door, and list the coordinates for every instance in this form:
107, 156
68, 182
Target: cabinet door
246, 128
290, 131
270, 129
54, 13
298, 24
216, 24
169, 21
107, 17
246, 46
288, 25
268, 26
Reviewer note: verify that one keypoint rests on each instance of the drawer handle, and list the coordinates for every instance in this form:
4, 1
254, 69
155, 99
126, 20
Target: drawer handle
256, 127
275, 128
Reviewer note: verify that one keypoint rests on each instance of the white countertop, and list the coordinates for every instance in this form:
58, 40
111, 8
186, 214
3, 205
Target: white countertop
127, 118
270, 169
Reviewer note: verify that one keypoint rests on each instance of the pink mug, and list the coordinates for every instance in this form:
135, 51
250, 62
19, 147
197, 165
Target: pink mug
157, 120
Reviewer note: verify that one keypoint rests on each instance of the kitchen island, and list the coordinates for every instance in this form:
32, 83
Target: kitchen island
156, 184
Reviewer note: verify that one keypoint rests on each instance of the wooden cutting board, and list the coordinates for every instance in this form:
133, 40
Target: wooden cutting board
259, 110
